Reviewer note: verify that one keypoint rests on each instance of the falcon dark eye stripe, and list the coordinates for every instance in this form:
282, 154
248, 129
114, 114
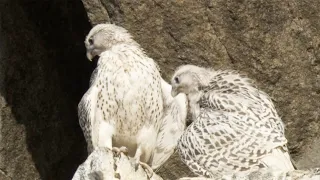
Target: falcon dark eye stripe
176, 80
90, 41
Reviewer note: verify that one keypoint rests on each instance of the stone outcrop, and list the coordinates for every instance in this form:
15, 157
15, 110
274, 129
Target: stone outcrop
269, 174
102, 164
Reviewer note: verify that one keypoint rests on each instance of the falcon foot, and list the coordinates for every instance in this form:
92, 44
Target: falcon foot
147, 168
120, 150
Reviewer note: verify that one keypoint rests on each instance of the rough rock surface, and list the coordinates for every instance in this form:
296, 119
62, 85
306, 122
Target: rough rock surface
44, 71
269, 174
102, 164
275, 42
41, 81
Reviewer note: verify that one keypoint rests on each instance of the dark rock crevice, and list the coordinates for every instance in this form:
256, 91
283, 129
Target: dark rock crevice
44, 75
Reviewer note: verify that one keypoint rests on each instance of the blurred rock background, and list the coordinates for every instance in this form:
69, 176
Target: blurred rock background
44, 71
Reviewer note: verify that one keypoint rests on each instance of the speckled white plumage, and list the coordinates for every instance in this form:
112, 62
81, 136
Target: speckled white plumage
173, 125
124, 105
236, 127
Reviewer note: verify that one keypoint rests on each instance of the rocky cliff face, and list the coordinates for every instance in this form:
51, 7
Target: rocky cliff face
44, 71
274, 42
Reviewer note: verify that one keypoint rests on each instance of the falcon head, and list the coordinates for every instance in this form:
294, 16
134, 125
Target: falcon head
187, 79
103, 36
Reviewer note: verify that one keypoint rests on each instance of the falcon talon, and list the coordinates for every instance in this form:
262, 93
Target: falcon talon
116, 151
147, 169
124, 150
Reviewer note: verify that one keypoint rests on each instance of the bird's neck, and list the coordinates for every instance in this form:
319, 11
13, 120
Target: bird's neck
194, 104
117, 53
183, 105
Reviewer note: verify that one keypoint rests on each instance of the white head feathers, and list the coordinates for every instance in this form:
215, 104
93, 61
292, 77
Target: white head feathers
104, 36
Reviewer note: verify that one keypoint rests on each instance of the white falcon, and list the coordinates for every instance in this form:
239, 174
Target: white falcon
235, 125
124, 105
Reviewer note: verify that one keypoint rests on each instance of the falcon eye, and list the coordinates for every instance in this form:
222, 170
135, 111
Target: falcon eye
90, 41
176, 80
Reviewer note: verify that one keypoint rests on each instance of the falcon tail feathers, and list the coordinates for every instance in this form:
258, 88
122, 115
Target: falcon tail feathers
278, 159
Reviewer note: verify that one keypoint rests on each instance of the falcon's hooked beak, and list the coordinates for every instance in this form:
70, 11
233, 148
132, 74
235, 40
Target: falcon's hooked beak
89, 55
174, 91
92, 54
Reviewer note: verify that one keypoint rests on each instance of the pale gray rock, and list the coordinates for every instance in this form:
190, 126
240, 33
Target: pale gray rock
102, 164
267, 174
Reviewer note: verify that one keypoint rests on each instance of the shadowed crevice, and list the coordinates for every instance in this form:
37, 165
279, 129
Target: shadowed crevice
45, 75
